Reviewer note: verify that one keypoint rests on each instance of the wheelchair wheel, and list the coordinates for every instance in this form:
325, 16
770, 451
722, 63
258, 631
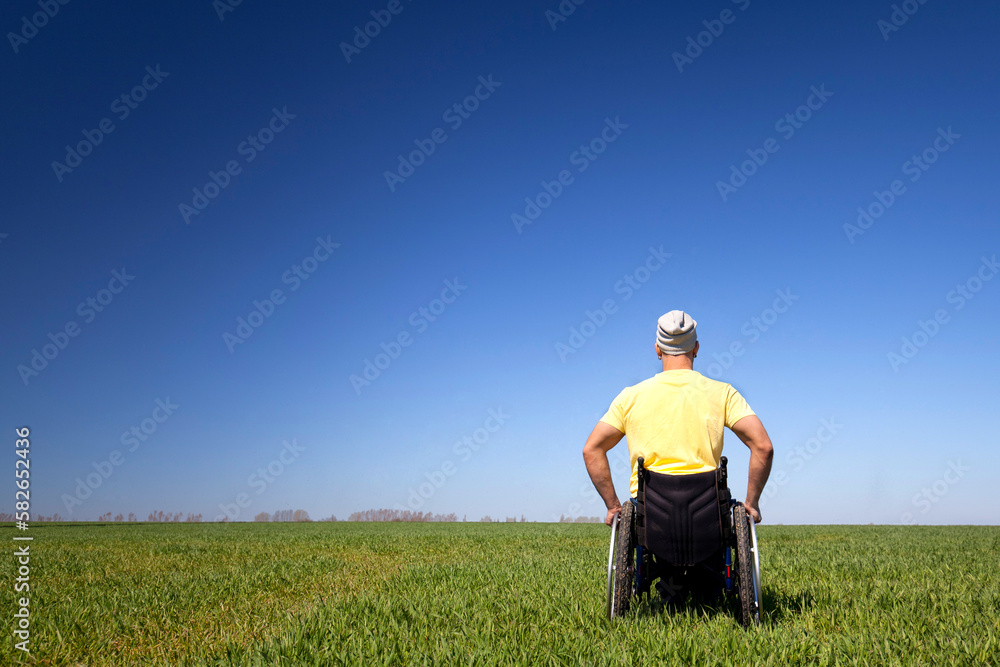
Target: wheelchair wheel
621, 563
748, 567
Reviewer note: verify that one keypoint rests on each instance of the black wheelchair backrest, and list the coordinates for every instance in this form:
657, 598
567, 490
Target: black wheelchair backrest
683, 519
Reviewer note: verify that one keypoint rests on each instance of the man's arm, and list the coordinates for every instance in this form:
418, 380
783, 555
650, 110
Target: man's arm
595, 456
751, 431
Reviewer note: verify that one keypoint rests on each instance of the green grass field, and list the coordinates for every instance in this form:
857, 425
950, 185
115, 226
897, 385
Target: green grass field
485, 594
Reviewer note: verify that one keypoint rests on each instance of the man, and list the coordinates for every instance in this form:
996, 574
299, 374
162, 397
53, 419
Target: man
675, 421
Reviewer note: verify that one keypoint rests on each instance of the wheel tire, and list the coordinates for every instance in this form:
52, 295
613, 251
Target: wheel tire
624, 567
747, 587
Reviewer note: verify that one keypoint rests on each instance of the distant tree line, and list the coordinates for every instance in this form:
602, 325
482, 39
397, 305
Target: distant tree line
160, 517
303, 515
400, 515
7, 516
154, 517
286, 515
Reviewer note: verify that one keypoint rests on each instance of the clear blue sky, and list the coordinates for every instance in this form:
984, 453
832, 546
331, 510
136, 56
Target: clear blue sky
675, 128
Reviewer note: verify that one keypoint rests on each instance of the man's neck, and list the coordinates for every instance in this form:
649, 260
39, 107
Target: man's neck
677, 362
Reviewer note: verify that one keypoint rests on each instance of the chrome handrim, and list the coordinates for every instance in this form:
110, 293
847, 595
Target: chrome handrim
756, 565
611, 569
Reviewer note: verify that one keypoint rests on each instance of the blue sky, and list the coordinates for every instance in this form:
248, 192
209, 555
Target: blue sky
482, 406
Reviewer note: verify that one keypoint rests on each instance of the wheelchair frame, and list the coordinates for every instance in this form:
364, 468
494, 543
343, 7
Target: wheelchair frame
631, 570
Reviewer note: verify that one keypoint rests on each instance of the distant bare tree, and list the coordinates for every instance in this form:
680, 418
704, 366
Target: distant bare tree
119, 517
132, 517
486, 519
289, 515
263, 517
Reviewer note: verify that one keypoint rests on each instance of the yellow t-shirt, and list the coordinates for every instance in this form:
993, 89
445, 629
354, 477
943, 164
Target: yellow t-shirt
674, 420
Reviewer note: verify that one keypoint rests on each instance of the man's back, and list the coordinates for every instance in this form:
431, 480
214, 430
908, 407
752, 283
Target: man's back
675, 420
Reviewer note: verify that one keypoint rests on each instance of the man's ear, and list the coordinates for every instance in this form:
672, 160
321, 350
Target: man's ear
657, 348
697, 346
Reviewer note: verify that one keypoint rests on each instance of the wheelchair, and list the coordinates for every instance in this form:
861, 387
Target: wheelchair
684, 524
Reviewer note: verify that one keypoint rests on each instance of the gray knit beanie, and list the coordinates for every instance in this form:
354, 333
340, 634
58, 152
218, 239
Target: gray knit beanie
676, 333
